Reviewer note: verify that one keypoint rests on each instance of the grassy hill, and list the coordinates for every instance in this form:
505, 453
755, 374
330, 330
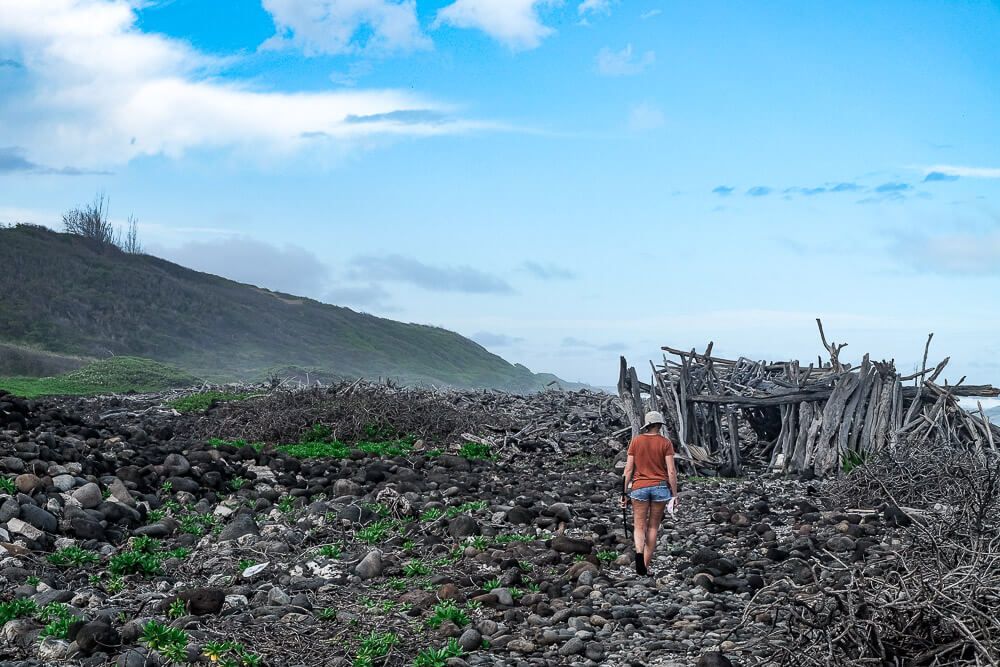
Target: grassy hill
62, 299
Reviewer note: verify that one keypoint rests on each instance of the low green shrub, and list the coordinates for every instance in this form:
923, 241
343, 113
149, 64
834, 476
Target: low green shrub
438, 658
475, 451
73, 557
447, 610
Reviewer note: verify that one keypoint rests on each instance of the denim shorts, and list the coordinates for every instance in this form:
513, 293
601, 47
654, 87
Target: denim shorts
656, 494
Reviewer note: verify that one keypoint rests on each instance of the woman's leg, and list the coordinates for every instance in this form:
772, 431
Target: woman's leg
656, 511
640, 510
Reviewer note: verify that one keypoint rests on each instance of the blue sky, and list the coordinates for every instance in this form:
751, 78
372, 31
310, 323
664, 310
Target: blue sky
563, 181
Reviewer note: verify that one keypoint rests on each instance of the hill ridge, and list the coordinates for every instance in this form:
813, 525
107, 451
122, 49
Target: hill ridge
66, 296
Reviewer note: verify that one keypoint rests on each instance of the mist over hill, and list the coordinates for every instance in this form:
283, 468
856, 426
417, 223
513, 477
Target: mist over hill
69, 297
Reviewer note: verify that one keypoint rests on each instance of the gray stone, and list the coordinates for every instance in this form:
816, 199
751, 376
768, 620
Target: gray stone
559, 511
370, 566
152, 530
12, 464
64, 482
595, 651
572, 545
521, 646
503, 596
176, 465
88, 495
471, 640
840, 543
120, 492
713, 659
278, 597
463, 526
24, 529
39, 518
574, 646
346, 487
8, 510
135, 657
53, 650
240, 526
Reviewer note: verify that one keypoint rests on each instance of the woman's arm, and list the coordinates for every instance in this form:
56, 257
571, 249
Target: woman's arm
672, 474
629, 469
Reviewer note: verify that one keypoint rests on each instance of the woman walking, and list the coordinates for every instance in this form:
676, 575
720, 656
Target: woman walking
650, 481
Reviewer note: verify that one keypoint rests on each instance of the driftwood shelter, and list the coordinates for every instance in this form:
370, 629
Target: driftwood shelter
722, 412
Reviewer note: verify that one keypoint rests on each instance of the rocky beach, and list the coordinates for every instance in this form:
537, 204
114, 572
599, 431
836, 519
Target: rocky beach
132, 537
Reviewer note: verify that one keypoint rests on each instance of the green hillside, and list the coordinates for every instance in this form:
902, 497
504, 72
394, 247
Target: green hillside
64, 296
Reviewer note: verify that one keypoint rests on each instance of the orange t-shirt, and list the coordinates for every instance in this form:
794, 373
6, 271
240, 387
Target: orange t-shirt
650, 451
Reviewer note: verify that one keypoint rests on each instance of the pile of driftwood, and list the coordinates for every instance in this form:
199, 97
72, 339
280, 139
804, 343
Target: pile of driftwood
577, 422
929, 597
816, 419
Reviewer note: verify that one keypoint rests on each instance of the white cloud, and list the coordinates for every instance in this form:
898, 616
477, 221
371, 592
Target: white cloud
95, 91
645, 116
650, 14
346, 26
514, 23
965, 172
594, 7
621, 63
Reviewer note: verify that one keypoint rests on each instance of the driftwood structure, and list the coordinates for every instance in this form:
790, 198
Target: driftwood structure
720, 412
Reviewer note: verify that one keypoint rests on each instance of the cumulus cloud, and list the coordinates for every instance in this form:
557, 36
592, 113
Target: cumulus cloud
397, 268
547, 271
145, 94
287, 268
644, 117
723, 190
623, 63
594, 7
893, 187
759, 191
514, 23
346, 26
489, 339
12, 160
939, 176
967, 172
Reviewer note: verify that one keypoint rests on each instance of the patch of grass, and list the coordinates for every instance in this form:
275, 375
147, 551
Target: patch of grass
73, 557
56, 617
469, 507
18, 608
176, 609
286, 504
697, 479
329, 551
438, 657
378, 508
513, 537
447, 610
852, 461
474, 451
202, 401
196, 524
607, 556
415, 568
387, 447
433, 453
373, 646
431, 514
114, 375
132, 562
375, 532
491, 584
327, 614
396, 584
584, 460
7, 486
230, 654
237, 483
171, 642
316, 450
239, 443
478, 542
